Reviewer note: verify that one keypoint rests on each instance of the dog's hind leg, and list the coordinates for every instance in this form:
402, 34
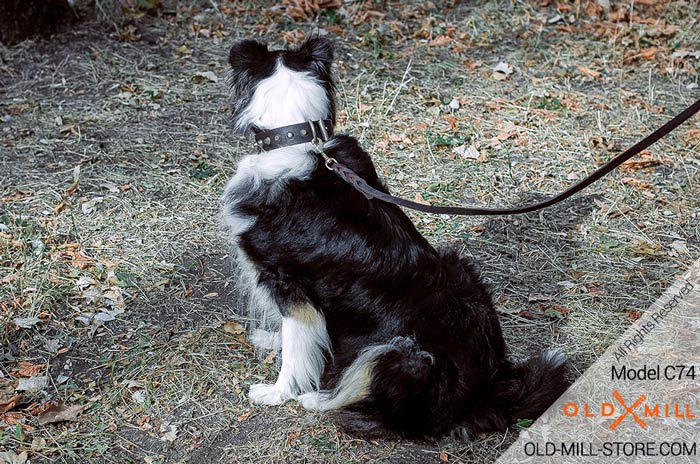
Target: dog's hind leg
304, 344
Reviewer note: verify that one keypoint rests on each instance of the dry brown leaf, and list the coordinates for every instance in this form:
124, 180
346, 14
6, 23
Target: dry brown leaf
508, 131
362, 108
270, 358
293, 436
444, 457
569, 28
244, 417
9, 403
60, 413
561, 309
27, 369
72, 189
419, 199
647, 160
588, 72
18, 195
649, 53
233, 327
638, 184
501, 71
439, 41
452, 121
11, 418
692, 135
37, 408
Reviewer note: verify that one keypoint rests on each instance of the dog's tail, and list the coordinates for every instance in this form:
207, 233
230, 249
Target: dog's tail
394, 390
519, 392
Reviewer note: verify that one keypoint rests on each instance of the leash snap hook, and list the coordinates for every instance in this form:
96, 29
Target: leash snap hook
318, 143
329, 161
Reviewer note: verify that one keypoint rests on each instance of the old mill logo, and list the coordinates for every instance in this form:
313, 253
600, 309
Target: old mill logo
640, 411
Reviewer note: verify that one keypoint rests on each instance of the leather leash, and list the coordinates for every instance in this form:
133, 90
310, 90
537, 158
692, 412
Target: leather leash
349, 176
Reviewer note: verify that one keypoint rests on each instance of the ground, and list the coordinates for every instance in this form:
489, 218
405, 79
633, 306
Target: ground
118, 305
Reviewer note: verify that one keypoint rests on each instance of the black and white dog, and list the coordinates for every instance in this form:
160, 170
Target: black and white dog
401, 339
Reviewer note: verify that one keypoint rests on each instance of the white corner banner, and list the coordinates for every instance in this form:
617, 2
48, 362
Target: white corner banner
639, 402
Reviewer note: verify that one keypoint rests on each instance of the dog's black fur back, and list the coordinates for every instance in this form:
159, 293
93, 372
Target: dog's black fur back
379, 283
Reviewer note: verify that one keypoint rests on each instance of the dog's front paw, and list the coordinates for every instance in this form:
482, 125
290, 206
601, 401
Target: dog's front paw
269, 395
265, 340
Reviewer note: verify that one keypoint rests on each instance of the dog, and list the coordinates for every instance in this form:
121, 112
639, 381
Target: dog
396, 337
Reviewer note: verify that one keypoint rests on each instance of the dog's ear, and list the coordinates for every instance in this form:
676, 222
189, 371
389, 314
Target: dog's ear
247, 52
319, 52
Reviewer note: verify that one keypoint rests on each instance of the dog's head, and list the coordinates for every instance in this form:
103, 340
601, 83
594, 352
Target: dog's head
282, 87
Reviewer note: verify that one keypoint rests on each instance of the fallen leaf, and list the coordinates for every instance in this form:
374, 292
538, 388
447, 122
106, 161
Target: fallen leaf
646, 159
59, 412
684, 53
588, 72
10, 457
692, 135
36, 409
11, 418
8, 404
439, 41
649, 53
183, 50
452, 121
27, 369
362, 108
501, 71
26, 322
89, 207
270, 358
444, 457
467, 152
646, 249
561, 309
170, 432
680, 247
244, 417
419, 199
293, 436
638, 184
205, 76
233, 327
114, 297
72, 189
32, 384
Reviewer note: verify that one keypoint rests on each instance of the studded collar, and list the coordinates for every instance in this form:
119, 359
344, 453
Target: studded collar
295, 134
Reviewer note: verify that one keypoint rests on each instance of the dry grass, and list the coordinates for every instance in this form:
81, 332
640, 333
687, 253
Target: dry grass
150, 138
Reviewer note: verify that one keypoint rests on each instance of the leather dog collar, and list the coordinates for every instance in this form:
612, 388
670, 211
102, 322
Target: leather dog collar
295, 134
